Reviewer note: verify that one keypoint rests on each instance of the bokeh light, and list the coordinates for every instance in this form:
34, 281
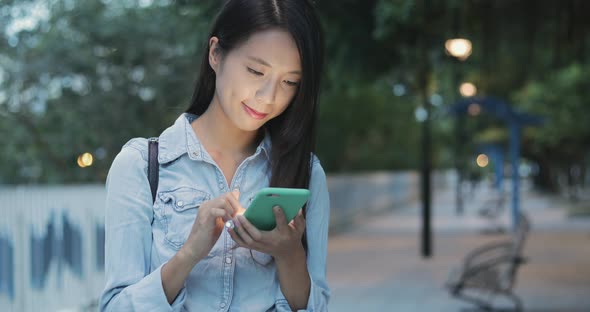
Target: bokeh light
459, 48
85, 160
482, 160
467, 89
474, 109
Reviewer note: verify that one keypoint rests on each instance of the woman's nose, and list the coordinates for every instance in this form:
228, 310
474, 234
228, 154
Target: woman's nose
266, 94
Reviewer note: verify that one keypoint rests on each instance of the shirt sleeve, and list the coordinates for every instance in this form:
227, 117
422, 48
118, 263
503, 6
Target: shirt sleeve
130, 283
317, 223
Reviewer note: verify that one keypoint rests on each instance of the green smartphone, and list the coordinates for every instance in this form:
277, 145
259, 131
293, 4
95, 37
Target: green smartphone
260, 213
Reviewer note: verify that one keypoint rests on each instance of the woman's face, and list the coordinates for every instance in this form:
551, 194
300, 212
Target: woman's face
256, 81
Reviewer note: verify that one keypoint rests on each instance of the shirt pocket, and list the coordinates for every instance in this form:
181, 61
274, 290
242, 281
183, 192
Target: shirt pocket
179, 210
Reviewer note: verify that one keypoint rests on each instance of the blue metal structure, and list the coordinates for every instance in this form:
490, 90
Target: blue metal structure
514, 121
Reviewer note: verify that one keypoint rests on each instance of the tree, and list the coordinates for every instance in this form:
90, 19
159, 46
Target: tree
563, 145
85, 76
88, 76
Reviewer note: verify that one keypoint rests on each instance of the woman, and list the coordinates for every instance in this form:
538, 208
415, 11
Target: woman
250, 125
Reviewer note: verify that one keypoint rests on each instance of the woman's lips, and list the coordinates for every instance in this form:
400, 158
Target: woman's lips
253, 113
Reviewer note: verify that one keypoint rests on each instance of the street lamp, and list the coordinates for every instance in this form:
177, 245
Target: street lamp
460, 49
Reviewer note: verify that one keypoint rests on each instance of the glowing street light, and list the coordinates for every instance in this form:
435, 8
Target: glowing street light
459, 48
467, 89
482, 160
85, 160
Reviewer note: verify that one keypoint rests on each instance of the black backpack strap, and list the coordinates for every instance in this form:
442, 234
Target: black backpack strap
153, 166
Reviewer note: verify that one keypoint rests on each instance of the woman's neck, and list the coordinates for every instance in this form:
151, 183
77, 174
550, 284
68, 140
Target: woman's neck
220, 136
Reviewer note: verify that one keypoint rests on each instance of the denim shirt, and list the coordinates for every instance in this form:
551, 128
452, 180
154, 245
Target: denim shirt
142, 236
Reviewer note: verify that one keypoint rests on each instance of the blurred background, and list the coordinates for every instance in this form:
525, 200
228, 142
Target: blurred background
440, 122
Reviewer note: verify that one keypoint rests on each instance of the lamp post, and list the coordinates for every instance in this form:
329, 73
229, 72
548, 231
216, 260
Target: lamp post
423, 75
460, 49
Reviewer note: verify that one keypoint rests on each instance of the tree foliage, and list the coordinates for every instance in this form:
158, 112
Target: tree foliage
85, 76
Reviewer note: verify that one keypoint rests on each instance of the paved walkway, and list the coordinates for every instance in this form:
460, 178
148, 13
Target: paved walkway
376, 264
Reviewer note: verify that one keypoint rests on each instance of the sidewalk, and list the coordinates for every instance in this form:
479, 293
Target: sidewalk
376, 265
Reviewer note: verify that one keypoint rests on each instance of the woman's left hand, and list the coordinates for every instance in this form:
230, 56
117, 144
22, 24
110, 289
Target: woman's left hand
279, 242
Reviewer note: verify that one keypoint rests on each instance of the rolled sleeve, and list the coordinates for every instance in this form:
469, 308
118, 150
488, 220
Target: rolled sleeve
130, 283
145, 295
317, 302
318, 297
317, 223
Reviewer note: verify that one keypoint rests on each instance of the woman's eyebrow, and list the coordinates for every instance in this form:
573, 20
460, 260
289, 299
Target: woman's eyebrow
265, 63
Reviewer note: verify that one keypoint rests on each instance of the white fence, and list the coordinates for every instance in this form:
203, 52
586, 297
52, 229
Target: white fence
51, 244
52, 238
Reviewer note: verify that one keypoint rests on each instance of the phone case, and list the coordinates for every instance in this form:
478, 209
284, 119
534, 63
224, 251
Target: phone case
260, 213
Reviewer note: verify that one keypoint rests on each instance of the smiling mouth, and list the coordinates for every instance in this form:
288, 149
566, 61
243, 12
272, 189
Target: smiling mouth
254, 113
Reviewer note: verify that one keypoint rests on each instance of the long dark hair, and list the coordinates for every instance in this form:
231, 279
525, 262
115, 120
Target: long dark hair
293, 132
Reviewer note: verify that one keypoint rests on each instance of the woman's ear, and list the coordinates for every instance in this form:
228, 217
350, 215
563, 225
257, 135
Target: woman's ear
214, 54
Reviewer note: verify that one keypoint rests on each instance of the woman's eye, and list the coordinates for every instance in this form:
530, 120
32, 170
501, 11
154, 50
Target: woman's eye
257, 73
291, 83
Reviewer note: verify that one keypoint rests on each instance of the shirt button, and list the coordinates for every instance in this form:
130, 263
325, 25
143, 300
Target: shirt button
228, 260
222, 305
180, 203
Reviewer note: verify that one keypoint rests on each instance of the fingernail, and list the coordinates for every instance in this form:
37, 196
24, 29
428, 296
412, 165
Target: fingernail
230, 224
236, 222
276, 208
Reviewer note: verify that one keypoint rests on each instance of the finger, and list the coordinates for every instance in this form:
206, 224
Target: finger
293, 223
248, 229
219, 213
223, 202
244, 236
236, 193
218, 203
300, 213
299, 222
233, 201
236, 237
280, 217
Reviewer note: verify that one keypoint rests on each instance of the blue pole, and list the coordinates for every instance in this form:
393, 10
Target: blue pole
495, 153
500, 171
515, 157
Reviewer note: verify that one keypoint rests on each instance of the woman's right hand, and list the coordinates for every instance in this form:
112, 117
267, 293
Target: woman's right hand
204, 233
209, 224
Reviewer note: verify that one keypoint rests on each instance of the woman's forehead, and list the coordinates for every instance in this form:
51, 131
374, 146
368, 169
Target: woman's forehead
274, 48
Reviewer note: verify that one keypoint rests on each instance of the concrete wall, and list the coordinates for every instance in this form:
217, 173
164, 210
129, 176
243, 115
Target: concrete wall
354, 196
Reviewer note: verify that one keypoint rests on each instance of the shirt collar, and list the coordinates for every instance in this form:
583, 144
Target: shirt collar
180, 138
